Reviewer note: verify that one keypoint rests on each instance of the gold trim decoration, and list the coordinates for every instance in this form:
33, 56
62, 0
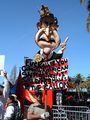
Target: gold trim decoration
38, 58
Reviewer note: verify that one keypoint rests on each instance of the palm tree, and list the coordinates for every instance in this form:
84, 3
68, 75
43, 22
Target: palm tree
82, 1
88, 9
88, 20
78, 79
88, 83
70, 83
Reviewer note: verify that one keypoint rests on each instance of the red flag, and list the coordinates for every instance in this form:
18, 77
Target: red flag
29, 95
19, 91
49, 97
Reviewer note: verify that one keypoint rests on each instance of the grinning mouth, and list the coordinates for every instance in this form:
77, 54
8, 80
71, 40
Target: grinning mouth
51, 40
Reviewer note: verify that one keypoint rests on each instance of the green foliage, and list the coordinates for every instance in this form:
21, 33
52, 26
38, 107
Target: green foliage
80, 82
88, 9
82, 1
85, 84
78, 79
88, 23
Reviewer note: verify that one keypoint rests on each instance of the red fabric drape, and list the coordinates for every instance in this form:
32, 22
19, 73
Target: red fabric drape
49, 97
29, 95
19, 91
23, 93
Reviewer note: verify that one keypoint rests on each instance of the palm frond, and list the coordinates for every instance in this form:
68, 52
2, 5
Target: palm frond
88, 23
88, 7
82, 1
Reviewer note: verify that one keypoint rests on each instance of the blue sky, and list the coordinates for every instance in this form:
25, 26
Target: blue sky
18, 19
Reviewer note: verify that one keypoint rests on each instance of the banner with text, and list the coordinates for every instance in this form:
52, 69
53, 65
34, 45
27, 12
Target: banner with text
46, 75
2, 60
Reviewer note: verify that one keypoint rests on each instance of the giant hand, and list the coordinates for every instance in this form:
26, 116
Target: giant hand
63, 45
45, 115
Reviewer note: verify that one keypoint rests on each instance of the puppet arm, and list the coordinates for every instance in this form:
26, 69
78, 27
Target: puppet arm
63, 45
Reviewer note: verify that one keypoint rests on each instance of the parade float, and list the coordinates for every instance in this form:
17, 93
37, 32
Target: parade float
48, 70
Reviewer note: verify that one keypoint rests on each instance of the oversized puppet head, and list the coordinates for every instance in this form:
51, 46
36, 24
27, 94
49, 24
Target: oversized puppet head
47, 37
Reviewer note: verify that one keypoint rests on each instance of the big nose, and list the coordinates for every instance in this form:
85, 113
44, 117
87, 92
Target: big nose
47, 31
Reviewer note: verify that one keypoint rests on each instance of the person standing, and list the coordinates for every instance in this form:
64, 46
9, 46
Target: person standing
10, 111
2, 102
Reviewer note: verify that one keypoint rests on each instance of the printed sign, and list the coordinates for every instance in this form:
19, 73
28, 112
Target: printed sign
2, 60
47, 75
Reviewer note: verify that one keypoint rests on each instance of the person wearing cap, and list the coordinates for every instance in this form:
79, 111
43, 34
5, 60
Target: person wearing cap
36, 111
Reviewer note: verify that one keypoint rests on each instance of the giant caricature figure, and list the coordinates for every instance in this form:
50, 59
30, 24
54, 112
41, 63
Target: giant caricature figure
48, 40
47, 37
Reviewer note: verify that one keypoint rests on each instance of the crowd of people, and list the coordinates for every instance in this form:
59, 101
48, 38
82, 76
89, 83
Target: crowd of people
11, 109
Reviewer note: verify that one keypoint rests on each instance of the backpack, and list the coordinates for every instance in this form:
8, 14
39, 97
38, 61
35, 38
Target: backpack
17, 113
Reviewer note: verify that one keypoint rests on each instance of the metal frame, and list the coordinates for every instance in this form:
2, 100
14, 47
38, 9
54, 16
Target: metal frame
70, 112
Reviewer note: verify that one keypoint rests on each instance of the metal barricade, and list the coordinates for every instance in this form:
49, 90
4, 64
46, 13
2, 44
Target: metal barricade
70, 112
59, 115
